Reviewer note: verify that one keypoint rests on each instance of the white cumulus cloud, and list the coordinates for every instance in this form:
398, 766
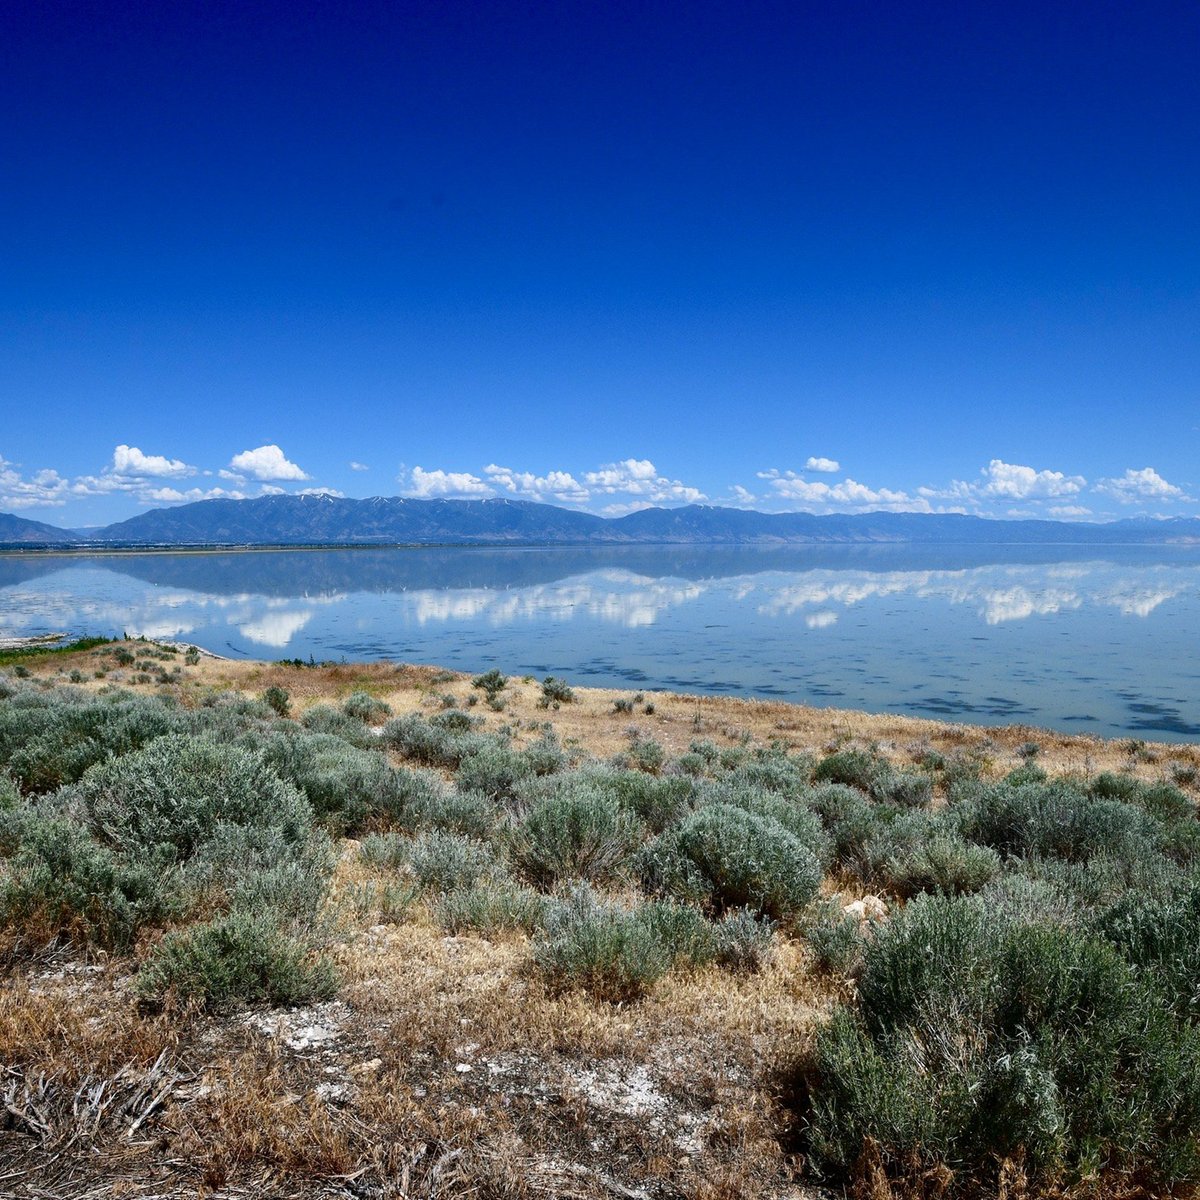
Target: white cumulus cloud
1146, 484
1015, 482
828, 465
848, 495
554, 485
265, 462
170, 495
425, 484
640, 477
357, 466
129, 460
45, 487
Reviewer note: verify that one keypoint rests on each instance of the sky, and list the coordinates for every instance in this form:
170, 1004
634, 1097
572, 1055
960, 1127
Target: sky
830, 257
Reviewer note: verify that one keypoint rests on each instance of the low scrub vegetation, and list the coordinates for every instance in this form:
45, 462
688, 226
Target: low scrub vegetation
1004, 968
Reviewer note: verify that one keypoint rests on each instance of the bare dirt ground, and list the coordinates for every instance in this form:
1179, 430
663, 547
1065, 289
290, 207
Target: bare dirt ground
444, 1068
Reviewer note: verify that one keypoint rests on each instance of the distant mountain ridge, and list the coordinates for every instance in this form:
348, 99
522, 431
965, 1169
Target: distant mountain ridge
390, 520
19, 531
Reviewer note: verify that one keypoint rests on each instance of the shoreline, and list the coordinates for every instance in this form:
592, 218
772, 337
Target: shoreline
599, 720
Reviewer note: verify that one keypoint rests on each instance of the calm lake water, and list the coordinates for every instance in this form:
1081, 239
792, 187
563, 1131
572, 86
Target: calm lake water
1086, 639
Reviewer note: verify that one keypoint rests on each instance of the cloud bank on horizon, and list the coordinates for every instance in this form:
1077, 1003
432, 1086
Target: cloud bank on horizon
1000, 489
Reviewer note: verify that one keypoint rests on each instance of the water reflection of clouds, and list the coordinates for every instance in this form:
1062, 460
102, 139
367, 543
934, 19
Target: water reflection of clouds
275, 629
999, 594
265, 620
613, 596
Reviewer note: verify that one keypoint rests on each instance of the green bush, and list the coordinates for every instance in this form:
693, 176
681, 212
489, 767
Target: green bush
644, 754
793, 814
347, 787
324, 718
725, 857
443, 741
9, 796
469, 813
51, 738
578, 834
362, 706
234, 960
491, 683
1054, 820
681, 931
60, 883
161, 802
848, 816
555, 691
979, 1038
769, 771
855, 768
388, 851
279, 699
837, 943
258, 870
657, 801
742, 942
446, 862
490, 909
941, 863
545, 755
599, 947
1161, 940
494, 770
908, 789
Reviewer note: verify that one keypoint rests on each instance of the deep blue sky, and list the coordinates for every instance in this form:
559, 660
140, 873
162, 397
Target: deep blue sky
724, 239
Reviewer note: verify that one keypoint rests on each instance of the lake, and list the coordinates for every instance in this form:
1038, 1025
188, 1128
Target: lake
1079, 639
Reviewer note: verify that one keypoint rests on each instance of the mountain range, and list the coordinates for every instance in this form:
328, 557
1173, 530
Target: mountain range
394, 520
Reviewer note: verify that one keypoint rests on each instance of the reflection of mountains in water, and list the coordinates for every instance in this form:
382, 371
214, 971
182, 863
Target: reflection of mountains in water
317, 572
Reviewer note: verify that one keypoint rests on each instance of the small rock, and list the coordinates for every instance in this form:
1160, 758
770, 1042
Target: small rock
869, 908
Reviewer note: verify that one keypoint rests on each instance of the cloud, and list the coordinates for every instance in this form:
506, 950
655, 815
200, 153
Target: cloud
1004, 481
629, 475
742, 496
828, 465
1015, 482
1068, 510
623, 510
849, 495
129, 460
321, 491
554, 485
170, 495
44, 488
357, 466
265, 462
425, 484
1146, 484
640, 477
